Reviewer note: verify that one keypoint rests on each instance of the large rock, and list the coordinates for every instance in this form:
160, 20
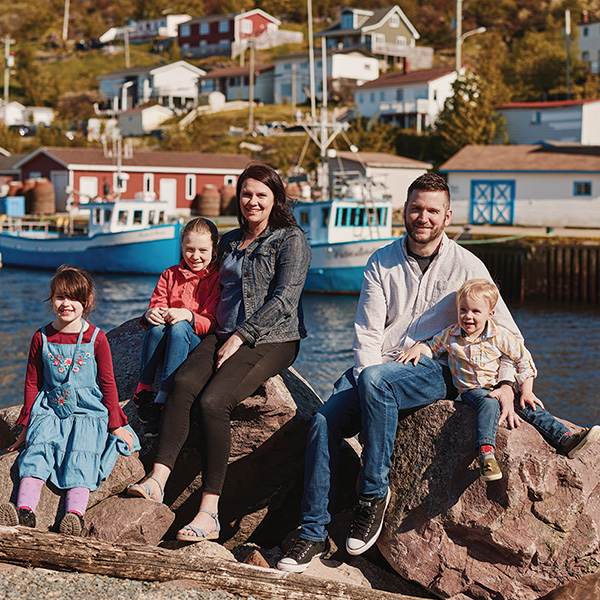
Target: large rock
459, 537
261, 497
128, 521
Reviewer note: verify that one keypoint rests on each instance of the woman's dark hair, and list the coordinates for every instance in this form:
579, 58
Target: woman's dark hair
74, 283
281, 214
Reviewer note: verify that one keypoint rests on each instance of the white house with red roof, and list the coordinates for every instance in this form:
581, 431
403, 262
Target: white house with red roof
389, 174
410, 100
231, 33
175, 177
573, 121
528, 185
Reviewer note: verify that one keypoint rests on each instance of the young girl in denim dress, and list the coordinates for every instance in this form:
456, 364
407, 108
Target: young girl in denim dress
73, 426
182, 311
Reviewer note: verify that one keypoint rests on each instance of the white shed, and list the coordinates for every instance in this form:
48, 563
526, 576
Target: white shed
527, 185
142, 121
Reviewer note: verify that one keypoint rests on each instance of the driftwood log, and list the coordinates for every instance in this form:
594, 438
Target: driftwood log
32, 548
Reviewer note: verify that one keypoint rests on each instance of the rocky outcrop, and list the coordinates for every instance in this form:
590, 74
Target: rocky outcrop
261, 498
459, 537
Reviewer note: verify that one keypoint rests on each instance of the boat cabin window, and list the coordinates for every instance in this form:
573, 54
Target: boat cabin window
138, 217
325, 216
97, 216
107, 215
151, 217
161, 216
122, 217
304, 217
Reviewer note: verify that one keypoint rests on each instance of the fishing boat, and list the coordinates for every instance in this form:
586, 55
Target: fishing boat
343, 232
123, 236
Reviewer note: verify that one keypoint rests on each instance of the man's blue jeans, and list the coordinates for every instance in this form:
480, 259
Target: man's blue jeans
381, 392
169, 343
488, 412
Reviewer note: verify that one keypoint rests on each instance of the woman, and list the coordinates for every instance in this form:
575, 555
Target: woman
263, 266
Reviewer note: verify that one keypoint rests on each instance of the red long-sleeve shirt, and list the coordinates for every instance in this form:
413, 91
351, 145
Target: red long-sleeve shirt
34, 378
180, 287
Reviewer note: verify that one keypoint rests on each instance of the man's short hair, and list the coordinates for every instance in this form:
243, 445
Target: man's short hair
429, 182
478, 288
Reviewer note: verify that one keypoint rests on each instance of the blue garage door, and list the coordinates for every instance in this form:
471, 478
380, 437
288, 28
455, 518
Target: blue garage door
492, 202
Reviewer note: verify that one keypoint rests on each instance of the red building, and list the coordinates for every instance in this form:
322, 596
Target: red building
224, 34
175, 177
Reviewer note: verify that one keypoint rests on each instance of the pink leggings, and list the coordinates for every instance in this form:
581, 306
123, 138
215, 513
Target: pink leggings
30, 489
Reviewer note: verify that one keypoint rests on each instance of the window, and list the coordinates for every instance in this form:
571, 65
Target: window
399, 95
325, 217
246, 26
223, 26
230, 180
585, 31
203, 43
122, 217
304, 217
379, 38
372, 96
35, 175
148, 182
347, 20
223, 43
585, 56
582, 188
536, 117
184, 31
382, 96
395, 21
204, 28
401, 40
361, 98
137, 217
190, 187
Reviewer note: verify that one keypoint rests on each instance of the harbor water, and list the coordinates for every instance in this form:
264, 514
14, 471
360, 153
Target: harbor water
563, 338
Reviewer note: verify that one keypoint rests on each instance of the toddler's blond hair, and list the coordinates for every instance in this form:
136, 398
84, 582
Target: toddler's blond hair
478, 288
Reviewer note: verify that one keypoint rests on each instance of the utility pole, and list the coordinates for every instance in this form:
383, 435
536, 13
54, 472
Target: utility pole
251, 88
9, 63
65, 30
458, 35
568, 40
293, 90
311, 63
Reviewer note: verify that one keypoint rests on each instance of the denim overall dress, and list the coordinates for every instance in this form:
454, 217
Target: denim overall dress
75, 451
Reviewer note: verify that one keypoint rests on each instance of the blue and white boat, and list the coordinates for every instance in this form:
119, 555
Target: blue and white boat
124, 236
343, 232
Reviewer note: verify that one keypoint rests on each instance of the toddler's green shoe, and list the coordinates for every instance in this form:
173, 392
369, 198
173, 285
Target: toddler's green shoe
490, 471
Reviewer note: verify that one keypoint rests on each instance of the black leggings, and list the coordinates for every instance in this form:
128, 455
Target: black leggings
218, 392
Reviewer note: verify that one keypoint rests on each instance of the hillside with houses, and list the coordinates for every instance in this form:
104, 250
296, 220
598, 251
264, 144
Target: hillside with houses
245, 83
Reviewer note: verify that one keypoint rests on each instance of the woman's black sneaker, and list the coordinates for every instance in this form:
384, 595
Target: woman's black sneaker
298, 557
143, 401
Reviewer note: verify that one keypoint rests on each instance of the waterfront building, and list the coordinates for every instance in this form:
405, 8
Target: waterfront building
547, 185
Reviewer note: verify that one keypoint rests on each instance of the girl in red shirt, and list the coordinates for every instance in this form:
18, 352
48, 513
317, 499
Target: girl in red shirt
182, 311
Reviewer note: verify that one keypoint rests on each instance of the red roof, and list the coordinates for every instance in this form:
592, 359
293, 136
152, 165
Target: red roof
190, 160
399, 79
547, 104
525, 158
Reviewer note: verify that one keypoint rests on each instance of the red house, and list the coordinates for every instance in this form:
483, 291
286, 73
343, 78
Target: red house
175, 177
224, 34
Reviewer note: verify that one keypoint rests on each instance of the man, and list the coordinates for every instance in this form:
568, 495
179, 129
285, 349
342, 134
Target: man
408, 294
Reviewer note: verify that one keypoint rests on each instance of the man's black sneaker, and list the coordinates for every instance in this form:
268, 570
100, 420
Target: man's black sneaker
153, 424
298, 557
143, 401
366, 524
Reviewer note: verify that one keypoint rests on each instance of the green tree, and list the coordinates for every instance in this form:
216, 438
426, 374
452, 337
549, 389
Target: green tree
468, 115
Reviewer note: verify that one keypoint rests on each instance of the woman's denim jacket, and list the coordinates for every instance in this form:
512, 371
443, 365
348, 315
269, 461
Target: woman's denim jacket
273, 274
